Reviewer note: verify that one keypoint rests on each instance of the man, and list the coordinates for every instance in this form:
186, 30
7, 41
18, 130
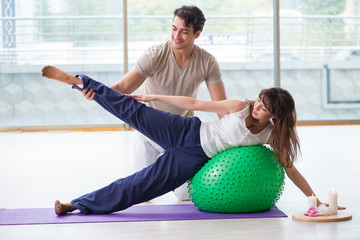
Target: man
176, 67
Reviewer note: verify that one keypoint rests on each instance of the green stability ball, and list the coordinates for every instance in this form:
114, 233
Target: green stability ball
239, 180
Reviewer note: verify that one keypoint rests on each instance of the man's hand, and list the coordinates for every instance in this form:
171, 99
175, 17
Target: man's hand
88, 93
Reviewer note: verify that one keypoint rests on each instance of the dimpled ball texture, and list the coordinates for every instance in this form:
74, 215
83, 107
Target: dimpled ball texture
238, 180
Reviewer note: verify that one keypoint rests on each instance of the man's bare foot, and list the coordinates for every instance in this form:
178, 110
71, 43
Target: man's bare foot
60, 75
63, 208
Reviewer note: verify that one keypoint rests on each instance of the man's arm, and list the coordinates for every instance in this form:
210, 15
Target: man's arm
217, 93
127, 85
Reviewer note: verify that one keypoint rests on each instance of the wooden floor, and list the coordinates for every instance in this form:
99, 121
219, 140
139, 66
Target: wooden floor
38, 168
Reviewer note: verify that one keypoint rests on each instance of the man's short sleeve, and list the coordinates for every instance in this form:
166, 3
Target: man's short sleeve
214, 74
143, 65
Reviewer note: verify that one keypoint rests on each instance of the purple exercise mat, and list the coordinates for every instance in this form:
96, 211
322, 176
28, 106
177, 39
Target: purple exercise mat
135, 213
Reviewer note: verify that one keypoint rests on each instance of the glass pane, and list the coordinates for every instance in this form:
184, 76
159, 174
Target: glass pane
79, 36
324, 37
87, 37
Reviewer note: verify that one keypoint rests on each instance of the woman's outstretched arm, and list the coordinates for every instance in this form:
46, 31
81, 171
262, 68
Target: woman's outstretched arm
296, 177
188, 103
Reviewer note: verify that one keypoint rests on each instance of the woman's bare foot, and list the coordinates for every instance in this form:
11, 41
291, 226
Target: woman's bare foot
63, 208
60, 75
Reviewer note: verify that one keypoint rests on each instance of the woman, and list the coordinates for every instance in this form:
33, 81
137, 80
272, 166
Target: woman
188, 142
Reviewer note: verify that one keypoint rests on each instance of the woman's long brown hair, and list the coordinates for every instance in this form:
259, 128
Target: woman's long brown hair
283, 138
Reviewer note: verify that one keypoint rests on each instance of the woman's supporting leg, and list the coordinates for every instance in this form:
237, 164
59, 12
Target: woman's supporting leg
171, 170
63, 208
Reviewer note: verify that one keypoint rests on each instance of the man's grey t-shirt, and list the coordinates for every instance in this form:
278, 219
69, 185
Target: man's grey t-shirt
165, 77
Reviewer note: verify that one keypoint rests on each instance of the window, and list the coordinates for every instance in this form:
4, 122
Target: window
319, 53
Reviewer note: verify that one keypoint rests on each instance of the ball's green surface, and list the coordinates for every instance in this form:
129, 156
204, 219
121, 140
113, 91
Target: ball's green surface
238, 180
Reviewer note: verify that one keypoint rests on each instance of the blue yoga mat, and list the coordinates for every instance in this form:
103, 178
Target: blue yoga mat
135, 213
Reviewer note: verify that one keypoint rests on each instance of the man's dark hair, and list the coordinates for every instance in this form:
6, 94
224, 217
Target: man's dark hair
192, 16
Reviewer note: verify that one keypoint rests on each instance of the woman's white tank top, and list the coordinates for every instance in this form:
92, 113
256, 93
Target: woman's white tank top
230, 131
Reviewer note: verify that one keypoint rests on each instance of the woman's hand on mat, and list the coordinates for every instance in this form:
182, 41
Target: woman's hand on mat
341, 208
88, 93
327, 205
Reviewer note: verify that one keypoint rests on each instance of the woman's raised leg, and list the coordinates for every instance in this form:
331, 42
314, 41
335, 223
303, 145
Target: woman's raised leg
166, 129
168, 172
